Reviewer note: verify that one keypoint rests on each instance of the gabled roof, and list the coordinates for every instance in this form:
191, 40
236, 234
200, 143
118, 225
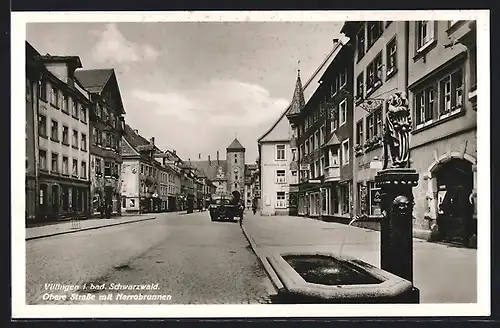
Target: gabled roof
94, 80
134, 139
235, 146
210, 168
334, 140
310, 90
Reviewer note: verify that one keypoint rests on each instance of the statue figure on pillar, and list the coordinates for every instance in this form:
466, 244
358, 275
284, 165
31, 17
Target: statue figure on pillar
397, 132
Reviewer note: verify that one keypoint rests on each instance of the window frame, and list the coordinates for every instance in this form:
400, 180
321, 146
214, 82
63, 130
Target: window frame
281, 179
277, 152
278, 203
392, 69
343, 113
345, 155
420, 45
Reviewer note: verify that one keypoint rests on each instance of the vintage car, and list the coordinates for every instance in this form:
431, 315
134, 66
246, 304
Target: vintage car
225, 209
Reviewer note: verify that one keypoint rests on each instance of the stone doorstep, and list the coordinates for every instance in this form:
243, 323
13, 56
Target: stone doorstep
293, 283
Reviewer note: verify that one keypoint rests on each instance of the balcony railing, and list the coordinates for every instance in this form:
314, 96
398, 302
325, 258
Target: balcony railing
332, 173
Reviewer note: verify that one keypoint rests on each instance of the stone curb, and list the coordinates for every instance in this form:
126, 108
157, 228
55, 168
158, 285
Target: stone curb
275, 280
85, 229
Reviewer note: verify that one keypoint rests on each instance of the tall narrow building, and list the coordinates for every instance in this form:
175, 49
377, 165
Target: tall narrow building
235, 161
107, 128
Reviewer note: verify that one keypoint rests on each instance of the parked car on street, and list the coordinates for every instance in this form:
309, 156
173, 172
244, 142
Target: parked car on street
224, 209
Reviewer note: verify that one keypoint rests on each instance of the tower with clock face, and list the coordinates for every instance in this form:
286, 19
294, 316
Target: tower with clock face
235, 158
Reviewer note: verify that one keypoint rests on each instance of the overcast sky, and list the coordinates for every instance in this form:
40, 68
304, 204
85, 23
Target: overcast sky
194, 86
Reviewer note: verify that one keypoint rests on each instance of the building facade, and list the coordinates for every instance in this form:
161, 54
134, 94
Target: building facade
107, 127
324, 126
235, 161
442, 94
250, 172
62, 151
140, 185
33, 73
380, 53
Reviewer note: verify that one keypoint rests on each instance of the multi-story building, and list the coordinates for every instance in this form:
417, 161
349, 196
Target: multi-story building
188, 186
139, 174
278, 151
227, 175
250, 170
61, 148
235, 159
33, 73
324, 126
442, 96
107, 126
380, 70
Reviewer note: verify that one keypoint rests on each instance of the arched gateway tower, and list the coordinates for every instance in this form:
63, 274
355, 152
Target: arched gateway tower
235, 158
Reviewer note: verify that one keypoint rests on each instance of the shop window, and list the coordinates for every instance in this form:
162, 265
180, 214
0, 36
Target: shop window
374, 198
344, 199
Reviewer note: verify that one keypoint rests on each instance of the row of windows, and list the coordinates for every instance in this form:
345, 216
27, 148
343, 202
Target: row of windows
56, 168
107, 116
333, 201
374, 71
373, 127
317, 168
338, 118
336, 85
368, 35
439, 99
55, 134
62, 101
105, 139
110, 168
168, 190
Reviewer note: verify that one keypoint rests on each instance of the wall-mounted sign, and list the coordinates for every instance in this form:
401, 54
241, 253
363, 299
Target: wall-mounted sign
305, 167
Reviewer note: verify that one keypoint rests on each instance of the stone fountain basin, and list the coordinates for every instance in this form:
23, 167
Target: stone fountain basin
320, 277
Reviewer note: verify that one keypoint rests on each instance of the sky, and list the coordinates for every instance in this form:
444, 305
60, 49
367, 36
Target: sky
195, 86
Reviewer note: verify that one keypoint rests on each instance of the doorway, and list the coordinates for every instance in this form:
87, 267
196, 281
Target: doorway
455, 210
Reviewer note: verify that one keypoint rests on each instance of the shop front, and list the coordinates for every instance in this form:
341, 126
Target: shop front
60, 198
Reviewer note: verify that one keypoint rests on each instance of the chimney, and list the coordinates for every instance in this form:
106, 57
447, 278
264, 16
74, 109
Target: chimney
217, 157
136, 131
152, 141
209, 162
199, 156
173, 151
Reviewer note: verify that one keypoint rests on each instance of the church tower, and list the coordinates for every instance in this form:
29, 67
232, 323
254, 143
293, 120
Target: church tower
235, 157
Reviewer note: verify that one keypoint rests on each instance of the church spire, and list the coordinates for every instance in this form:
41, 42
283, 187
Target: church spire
298, 101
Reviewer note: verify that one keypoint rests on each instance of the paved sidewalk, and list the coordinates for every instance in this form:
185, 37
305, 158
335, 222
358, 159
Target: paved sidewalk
70, 227
444, 274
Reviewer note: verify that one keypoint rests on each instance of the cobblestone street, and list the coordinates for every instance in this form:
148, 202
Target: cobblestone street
192, 259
